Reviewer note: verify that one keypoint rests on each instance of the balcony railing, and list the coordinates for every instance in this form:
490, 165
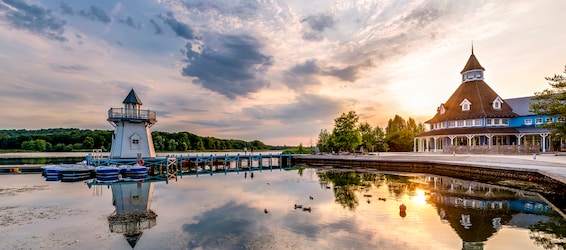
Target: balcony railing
117, 114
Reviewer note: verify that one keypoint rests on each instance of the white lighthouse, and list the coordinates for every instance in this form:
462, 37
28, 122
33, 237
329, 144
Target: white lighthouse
132, 135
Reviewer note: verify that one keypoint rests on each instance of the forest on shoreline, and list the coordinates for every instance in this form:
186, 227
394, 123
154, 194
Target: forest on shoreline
74, 139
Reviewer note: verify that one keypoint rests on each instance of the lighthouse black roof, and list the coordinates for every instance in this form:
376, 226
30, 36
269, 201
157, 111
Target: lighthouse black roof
132, 98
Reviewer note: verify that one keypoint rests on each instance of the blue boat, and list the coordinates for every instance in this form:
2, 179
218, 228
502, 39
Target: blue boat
67, 172
107, 171
133, 171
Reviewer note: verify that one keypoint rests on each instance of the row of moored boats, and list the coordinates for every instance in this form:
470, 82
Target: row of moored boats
83, 171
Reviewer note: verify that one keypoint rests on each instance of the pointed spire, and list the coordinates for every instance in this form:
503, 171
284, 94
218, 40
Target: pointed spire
472, 47
472, 63
132, 98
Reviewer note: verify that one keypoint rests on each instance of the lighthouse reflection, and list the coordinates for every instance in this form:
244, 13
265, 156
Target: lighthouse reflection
133, 214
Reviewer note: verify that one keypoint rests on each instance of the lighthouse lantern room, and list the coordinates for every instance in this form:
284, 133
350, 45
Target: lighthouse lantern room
132, 136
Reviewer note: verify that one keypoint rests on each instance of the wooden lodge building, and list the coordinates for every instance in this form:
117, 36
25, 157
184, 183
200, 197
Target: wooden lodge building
475, 119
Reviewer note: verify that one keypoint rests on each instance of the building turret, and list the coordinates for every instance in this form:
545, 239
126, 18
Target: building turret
132, 135
473, 70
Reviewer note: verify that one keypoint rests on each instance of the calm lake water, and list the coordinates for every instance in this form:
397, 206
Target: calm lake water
348, 210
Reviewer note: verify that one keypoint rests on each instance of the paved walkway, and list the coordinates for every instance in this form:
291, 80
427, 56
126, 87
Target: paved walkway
547, 163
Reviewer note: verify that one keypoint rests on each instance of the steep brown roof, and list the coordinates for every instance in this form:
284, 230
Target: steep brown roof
480, 95
472, 63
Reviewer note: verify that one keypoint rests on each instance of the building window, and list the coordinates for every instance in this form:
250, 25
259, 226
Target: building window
469, 123
460, 123
478, 122
465, 105
538, 121
135, 142
470, 75
528, 121
505, 121
478, 74
488, 122
548, 120
497, 103
451, 124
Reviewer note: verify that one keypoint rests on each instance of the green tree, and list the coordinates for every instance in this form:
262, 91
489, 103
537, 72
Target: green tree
346, 135
552, 102
88, 142
324, 142
171, 145
381, 145
400, 133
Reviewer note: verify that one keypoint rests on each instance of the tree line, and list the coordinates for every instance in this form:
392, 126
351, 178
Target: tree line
73, 139
351, 135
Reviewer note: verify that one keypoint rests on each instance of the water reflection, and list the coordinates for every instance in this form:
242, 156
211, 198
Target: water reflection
476, 211
346, 209
133, 214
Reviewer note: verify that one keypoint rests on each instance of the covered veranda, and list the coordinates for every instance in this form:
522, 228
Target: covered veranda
500, 140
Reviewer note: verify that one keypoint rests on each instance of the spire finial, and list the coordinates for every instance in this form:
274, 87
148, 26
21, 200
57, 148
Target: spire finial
472, 47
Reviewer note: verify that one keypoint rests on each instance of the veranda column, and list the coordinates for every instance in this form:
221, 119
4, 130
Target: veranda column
415, 145
470, 142
489, 136
543, 141
452, 137
435, 139
519, 137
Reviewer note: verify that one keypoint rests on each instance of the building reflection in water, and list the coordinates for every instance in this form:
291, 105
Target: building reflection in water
132, 201
476, 211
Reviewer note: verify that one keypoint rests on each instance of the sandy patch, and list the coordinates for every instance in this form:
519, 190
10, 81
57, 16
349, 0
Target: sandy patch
15, 191
14, 215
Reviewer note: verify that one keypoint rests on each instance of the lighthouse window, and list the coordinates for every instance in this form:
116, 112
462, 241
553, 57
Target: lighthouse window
135, 144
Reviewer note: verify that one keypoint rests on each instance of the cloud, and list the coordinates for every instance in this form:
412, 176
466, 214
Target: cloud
234, 67
66, 9
348, 73
35, 19
243, 9
69, 68
214, 229
130, 22
96, 14
181, 29
315, 26
305, 74
158, 30
306, 107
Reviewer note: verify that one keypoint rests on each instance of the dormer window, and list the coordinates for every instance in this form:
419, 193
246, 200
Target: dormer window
497, 103
466, 105
442, 109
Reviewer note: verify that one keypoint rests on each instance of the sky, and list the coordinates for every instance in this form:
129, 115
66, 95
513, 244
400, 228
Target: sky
278, 71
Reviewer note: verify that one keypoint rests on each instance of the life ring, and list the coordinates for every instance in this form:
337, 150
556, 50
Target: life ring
140, 162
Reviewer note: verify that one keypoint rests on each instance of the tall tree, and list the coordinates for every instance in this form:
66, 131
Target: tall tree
400, 133
346, 134
552, 102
